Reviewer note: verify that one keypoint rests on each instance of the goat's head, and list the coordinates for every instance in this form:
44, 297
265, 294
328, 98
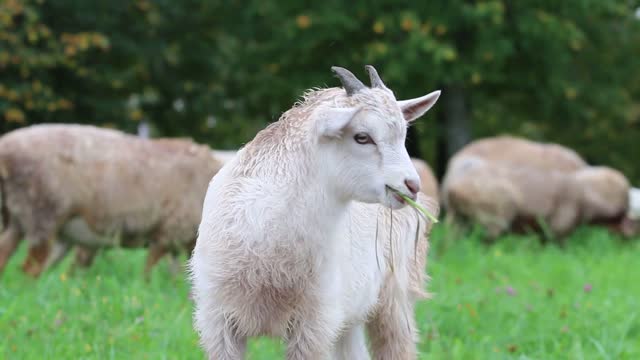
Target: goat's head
363, 140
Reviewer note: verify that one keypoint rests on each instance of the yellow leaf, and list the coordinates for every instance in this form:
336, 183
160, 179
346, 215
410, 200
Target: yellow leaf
136, 115
378, 27
425, 28
32, 35
12, 95
575, 45
303, 21
449, 54
570, 93
116, 84
70, 50
83, 42
407, 24
14, 115
37, 86
65, 104
143, 5
273, 68
380, 48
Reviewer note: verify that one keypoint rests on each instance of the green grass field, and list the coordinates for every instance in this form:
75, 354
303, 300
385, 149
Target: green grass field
516, 299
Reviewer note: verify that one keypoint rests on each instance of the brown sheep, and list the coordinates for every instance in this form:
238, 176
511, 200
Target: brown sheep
516, 151
99, 188
501, 197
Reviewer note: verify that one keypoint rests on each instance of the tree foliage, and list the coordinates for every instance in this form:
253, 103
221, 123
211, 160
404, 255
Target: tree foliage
562, 71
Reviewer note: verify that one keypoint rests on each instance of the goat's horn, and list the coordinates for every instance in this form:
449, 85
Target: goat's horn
376, 82
349, 81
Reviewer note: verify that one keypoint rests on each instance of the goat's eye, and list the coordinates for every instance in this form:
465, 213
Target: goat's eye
362, 139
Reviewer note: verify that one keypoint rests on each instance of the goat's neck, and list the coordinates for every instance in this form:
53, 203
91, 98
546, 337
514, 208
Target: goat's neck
316, 205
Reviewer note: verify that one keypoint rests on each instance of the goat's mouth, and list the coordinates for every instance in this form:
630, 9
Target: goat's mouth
411, 201
399, 196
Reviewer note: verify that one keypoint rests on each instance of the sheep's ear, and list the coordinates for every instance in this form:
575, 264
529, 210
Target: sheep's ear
414, 108
331, 121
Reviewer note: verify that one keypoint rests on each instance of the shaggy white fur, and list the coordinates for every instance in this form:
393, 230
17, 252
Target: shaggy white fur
290, 244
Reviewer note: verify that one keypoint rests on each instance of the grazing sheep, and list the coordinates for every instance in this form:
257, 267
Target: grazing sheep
287, 242
98, 188
630, 225
634, 204
515, 151
502, 197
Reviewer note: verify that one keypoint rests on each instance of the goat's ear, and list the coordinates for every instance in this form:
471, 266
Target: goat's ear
331, 121
414, 108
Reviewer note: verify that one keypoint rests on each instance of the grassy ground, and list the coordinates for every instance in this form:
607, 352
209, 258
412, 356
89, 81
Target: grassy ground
513, 300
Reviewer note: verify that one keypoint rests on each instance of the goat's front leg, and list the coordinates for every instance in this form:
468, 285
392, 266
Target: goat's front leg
218, 335
392, 330
312, 333
352, 345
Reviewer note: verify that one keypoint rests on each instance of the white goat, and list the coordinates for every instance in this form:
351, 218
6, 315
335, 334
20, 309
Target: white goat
286, 245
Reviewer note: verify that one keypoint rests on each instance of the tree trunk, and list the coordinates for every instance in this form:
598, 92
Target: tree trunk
454, 126
413, 142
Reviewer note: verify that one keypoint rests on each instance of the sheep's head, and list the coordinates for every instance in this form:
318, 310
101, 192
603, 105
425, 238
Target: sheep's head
605, 192
362, 139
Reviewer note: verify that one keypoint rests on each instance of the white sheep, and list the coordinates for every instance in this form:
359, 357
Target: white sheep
287, 242
634, 204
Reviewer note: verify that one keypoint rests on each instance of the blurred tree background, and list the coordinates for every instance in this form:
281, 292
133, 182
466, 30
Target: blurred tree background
219, 71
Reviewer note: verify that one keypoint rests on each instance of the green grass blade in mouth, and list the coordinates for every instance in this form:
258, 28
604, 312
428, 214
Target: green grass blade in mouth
415, 205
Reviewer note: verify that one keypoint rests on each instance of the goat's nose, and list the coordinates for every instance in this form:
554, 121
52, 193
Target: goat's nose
412, 185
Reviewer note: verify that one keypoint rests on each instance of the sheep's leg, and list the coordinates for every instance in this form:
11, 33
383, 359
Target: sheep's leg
450, 218
36, 258
156, 252
175, 266
9, 240
218, 336
563, 220
58, 251
83, 259
352, 345
494, 225
84, 256
392, 331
